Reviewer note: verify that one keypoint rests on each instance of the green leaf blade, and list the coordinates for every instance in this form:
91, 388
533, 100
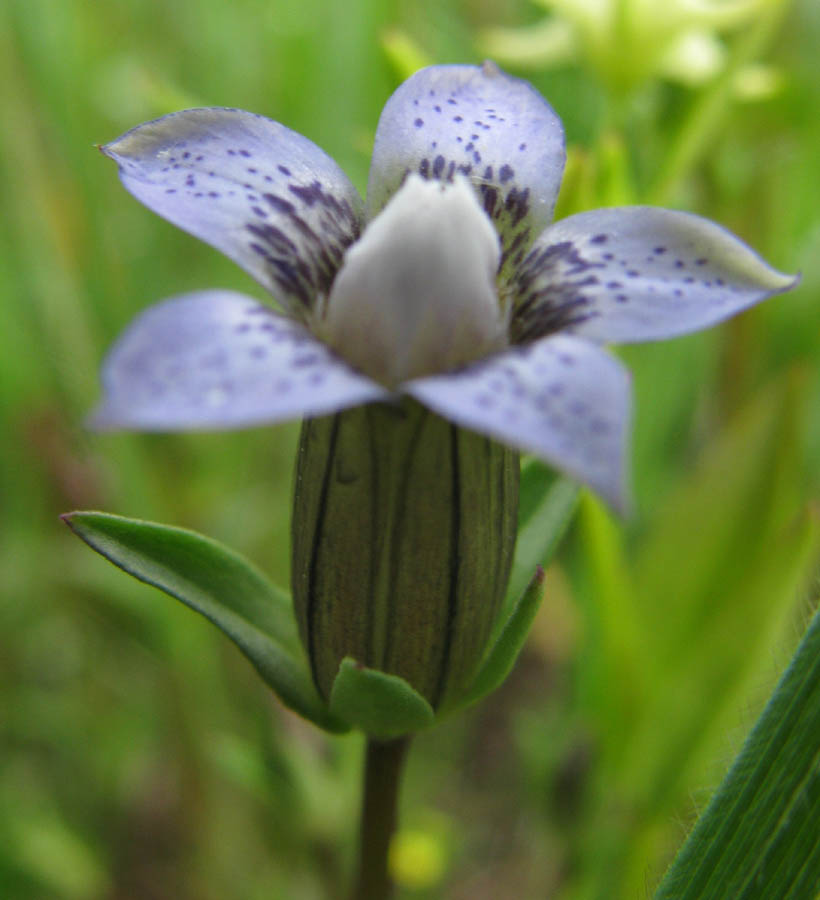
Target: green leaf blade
220, 585
759, 836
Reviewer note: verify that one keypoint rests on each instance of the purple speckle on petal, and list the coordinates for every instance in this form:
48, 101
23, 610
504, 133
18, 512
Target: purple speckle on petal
305, 359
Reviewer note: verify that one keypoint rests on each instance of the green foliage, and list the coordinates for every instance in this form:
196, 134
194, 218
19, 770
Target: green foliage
141, 758
759, 836
675, 637
223, 587
232, 594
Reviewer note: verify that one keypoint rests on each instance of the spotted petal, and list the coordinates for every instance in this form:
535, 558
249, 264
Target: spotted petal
477, 120
637, 274
219, 359
561, 398
262, 194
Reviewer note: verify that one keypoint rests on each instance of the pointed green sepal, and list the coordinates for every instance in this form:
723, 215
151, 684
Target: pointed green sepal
222, 586
548, 502
381, 705
504, 652
547, 506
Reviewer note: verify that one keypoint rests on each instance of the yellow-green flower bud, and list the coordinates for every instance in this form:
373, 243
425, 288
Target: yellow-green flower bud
403, 534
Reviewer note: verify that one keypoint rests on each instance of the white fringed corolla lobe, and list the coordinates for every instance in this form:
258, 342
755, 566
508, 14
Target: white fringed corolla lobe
417, 294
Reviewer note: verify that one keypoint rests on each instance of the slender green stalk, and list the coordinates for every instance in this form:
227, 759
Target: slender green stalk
384, 761
709, 109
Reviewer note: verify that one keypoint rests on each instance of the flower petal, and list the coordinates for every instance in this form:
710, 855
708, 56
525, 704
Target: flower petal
264, 195
497, 130
637, 274
217, 360
561, 398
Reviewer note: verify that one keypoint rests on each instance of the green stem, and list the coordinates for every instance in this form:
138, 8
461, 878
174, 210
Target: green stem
384, 761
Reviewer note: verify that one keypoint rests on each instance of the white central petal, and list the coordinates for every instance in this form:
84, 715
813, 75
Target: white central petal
416, 295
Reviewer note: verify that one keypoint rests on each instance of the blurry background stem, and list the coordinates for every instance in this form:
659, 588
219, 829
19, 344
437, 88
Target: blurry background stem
709, 109
384, 762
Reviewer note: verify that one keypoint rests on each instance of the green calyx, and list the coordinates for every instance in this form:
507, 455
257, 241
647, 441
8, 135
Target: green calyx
403, 535
236, 597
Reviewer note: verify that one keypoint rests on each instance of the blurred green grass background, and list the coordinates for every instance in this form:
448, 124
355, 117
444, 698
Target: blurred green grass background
141, 759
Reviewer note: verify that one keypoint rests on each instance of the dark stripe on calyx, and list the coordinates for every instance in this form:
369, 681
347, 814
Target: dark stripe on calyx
315, 551
455, 567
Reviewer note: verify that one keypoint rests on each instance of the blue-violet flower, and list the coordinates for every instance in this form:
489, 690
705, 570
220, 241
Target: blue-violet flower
458, 292
451, 292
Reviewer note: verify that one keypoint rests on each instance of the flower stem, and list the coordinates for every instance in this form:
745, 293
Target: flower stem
384, 761
702, 122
